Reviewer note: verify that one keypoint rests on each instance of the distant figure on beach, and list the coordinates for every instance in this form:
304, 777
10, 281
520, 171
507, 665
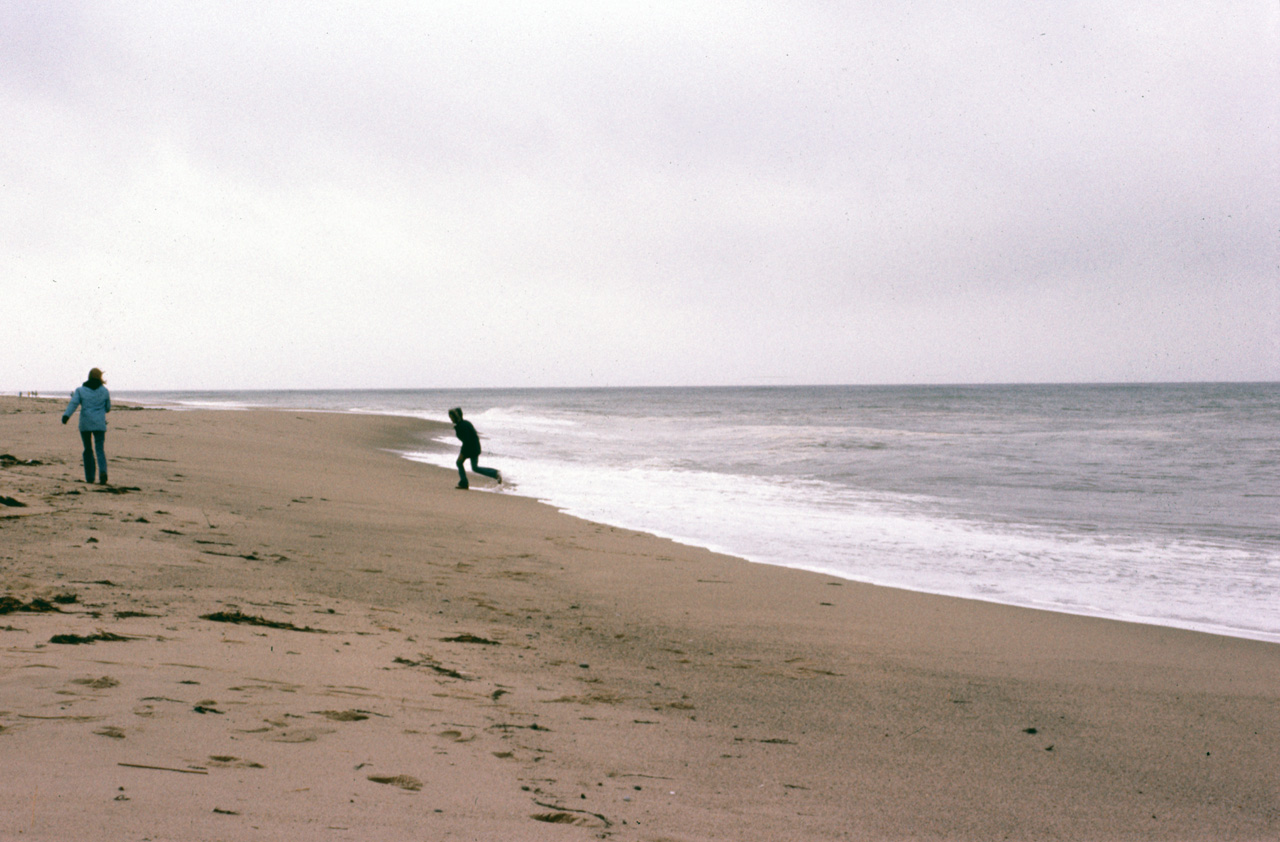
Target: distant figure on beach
95, 402
470, 449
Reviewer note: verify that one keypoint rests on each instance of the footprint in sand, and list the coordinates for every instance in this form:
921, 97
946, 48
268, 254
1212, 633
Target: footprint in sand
344, 715
301, 735
97, 683
228, 761
403, 781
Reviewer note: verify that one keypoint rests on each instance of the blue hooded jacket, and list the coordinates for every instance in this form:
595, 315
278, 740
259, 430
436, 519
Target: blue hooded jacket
94, 403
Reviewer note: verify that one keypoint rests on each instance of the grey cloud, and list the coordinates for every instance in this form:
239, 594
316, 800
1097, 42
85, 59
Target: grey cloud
780, 175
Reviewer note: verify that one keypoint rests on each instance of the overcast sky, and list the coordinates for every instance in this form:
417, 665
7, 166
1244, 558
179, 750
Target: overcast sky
309, 195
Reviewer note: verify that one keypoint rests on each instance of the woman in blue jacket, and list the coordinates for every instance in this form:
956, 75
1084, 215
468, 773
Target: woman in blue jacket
95, 402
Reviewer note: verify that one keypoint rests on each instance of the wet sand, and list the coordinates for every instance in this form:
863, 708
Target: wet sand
270, 626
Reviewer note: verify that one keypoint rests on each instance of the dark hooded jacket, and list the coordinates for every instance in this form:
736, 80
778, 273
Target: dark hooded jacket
469, 438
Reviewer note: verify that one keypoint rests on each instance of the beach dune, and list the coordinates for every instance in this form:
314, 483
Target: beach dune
272, 626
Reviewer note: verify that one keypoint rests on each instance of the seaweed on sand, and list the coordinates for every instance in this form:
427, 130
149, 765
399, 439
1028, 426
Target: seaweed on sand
252, 620
74, 639
10, 604
470, 638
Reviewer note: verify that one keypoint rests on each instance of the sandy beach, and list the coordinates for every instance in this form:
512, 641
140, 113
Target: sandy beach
272, 626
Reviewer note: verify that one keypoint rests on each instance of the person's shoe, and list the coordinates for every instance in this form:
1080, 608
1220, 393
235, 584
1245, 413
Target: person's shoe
498, 476
102, 480
462, 485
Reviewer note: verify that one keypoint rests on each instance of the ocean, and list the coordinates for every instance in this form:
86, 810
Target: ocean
1152, 503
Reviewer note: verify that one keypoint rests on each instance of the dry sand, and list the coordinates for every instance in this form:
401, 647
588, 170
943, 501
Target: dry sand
474, 665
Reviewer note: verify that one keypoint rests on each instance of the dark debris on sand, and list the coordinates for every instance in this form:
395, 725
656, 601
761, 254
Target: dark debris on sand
8, 460
11, 605
432, 665
252, 620
76, 639
470, 638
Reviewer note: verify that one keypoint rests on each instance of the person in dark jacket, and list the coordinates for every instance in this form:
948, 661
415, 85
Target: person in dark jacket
94, 402
466, 433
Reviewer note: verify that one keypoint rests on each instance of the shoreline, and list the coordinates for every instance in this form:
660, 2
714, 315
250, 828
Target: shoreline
1201, 627
487, 656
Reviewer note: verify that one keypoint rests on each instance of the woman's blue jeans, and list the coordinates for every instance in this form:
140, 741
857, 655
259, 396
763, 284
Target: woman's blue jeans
94, 440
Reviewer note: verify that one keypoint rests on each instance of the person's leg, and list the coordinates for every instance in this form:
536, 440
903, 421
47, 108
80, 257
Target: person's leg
89, 467
462, 472
488, 472
100, 444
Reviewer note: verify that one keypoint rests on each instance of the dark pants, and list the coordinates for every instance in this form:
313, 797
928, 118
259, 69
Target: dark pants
95, 440
462, 473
